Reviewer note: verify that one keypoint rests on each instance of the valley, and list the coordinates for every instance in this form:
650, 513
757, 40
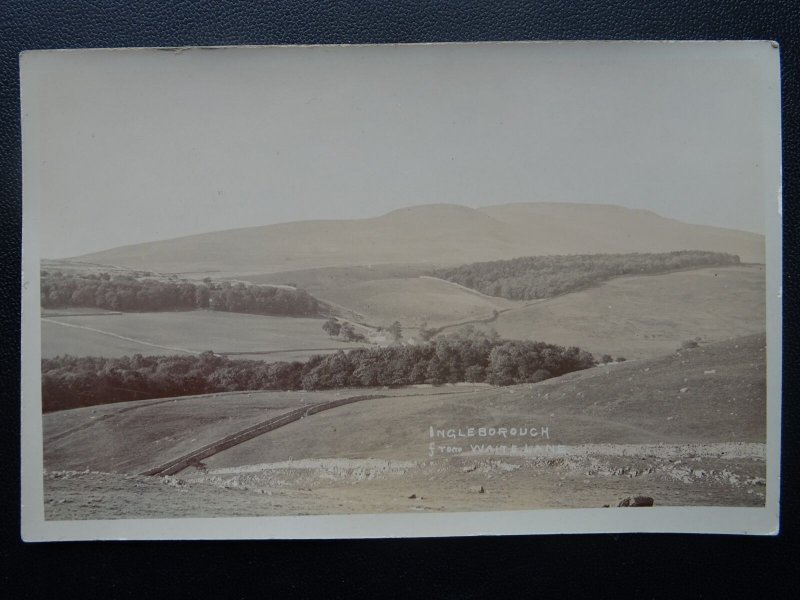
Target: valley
673, 405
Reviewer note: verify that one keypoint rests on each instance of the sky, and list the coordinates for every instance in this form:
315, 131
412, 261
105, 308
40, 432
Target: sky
127, 146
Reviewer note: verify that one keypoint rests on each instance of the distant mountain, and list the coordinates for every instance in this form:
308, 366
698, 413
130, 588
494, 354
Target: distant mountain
436, 234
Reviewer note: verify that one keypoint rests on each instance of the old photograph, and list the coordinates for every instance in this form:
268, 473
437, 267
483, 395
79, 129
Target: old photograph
433, 289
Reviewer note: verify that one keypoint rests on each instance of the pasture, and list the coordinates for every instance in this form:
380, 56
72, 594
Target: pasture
381, 294
637, 402
186, 332
413, 301
646, 316
129, 437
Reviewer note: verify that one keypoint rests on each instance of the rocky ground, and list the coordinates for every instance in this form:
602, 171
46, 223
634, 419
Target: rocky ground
588, 476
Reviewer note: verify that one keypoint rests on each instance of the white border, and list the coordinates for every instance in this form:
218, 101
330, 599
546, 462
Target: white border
760, 521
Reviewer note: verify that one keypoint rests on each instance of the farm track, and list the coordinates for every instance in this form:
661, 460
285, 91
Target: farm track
493, 317
229, 441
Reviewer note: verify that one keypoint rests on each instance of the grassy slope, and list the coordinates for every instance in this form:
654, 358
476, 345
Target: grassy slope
634, 402
647, 316
131, 436
412, 301
381, 294
316, 280
613, 317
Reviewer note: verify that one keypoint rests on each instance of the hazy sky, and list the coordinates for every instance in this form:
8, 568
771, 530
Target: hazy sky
134, 146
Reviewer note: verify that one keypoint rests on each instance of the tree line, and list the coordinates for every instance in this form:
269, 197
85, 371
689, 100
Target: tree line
127, 293
71, 382
533, 277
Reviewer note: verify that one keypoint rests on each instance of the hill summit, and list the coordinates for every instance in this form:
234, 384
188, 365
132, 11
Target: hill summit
437, 234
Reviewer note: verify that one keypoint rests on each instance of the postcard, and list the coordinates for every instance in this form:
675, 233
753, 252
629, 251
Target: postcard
401, 290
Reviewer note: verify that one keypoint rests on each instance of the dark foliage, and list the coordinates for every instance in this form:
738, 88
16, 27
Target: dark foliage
126, 293
70, 382
532, 277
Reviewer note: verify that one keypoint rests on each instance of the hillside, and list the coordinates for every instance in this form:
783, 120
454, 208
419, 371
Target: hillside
633, 316
413, 301
435, 234
686, 429
129, 437
646, 316
629, 403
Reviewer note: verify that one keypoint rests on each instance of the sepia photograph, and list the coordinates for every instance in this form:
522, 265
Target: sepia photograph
401, 290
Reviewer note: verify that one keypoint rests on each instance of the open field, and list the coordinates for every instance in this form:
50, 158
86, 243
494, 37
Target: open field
647, 316
686, 429
140, 434
414, 301
129, 437
325, 278
378, 295
186, 332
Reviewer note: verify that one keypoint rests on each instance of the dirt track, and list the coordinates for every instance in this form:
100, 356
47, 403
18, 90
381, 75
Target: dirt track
182, 462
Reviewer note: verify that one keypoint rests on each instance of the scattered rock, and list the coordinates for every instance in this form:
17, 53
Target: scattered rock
477, 489
710, 372
684, 390
636, 501
412, 497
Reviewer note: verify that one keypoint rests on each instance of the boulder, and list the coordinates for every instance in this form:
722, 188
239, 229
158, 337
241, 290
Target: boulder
636, 501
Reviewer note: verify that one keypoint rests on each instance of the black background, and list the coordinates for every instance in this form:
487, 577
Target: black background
648, 566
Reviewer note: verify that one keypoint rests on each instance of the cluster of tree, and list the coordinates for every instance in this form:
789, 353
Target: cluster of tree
344, 330
528, 278
127, 293
70, 382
